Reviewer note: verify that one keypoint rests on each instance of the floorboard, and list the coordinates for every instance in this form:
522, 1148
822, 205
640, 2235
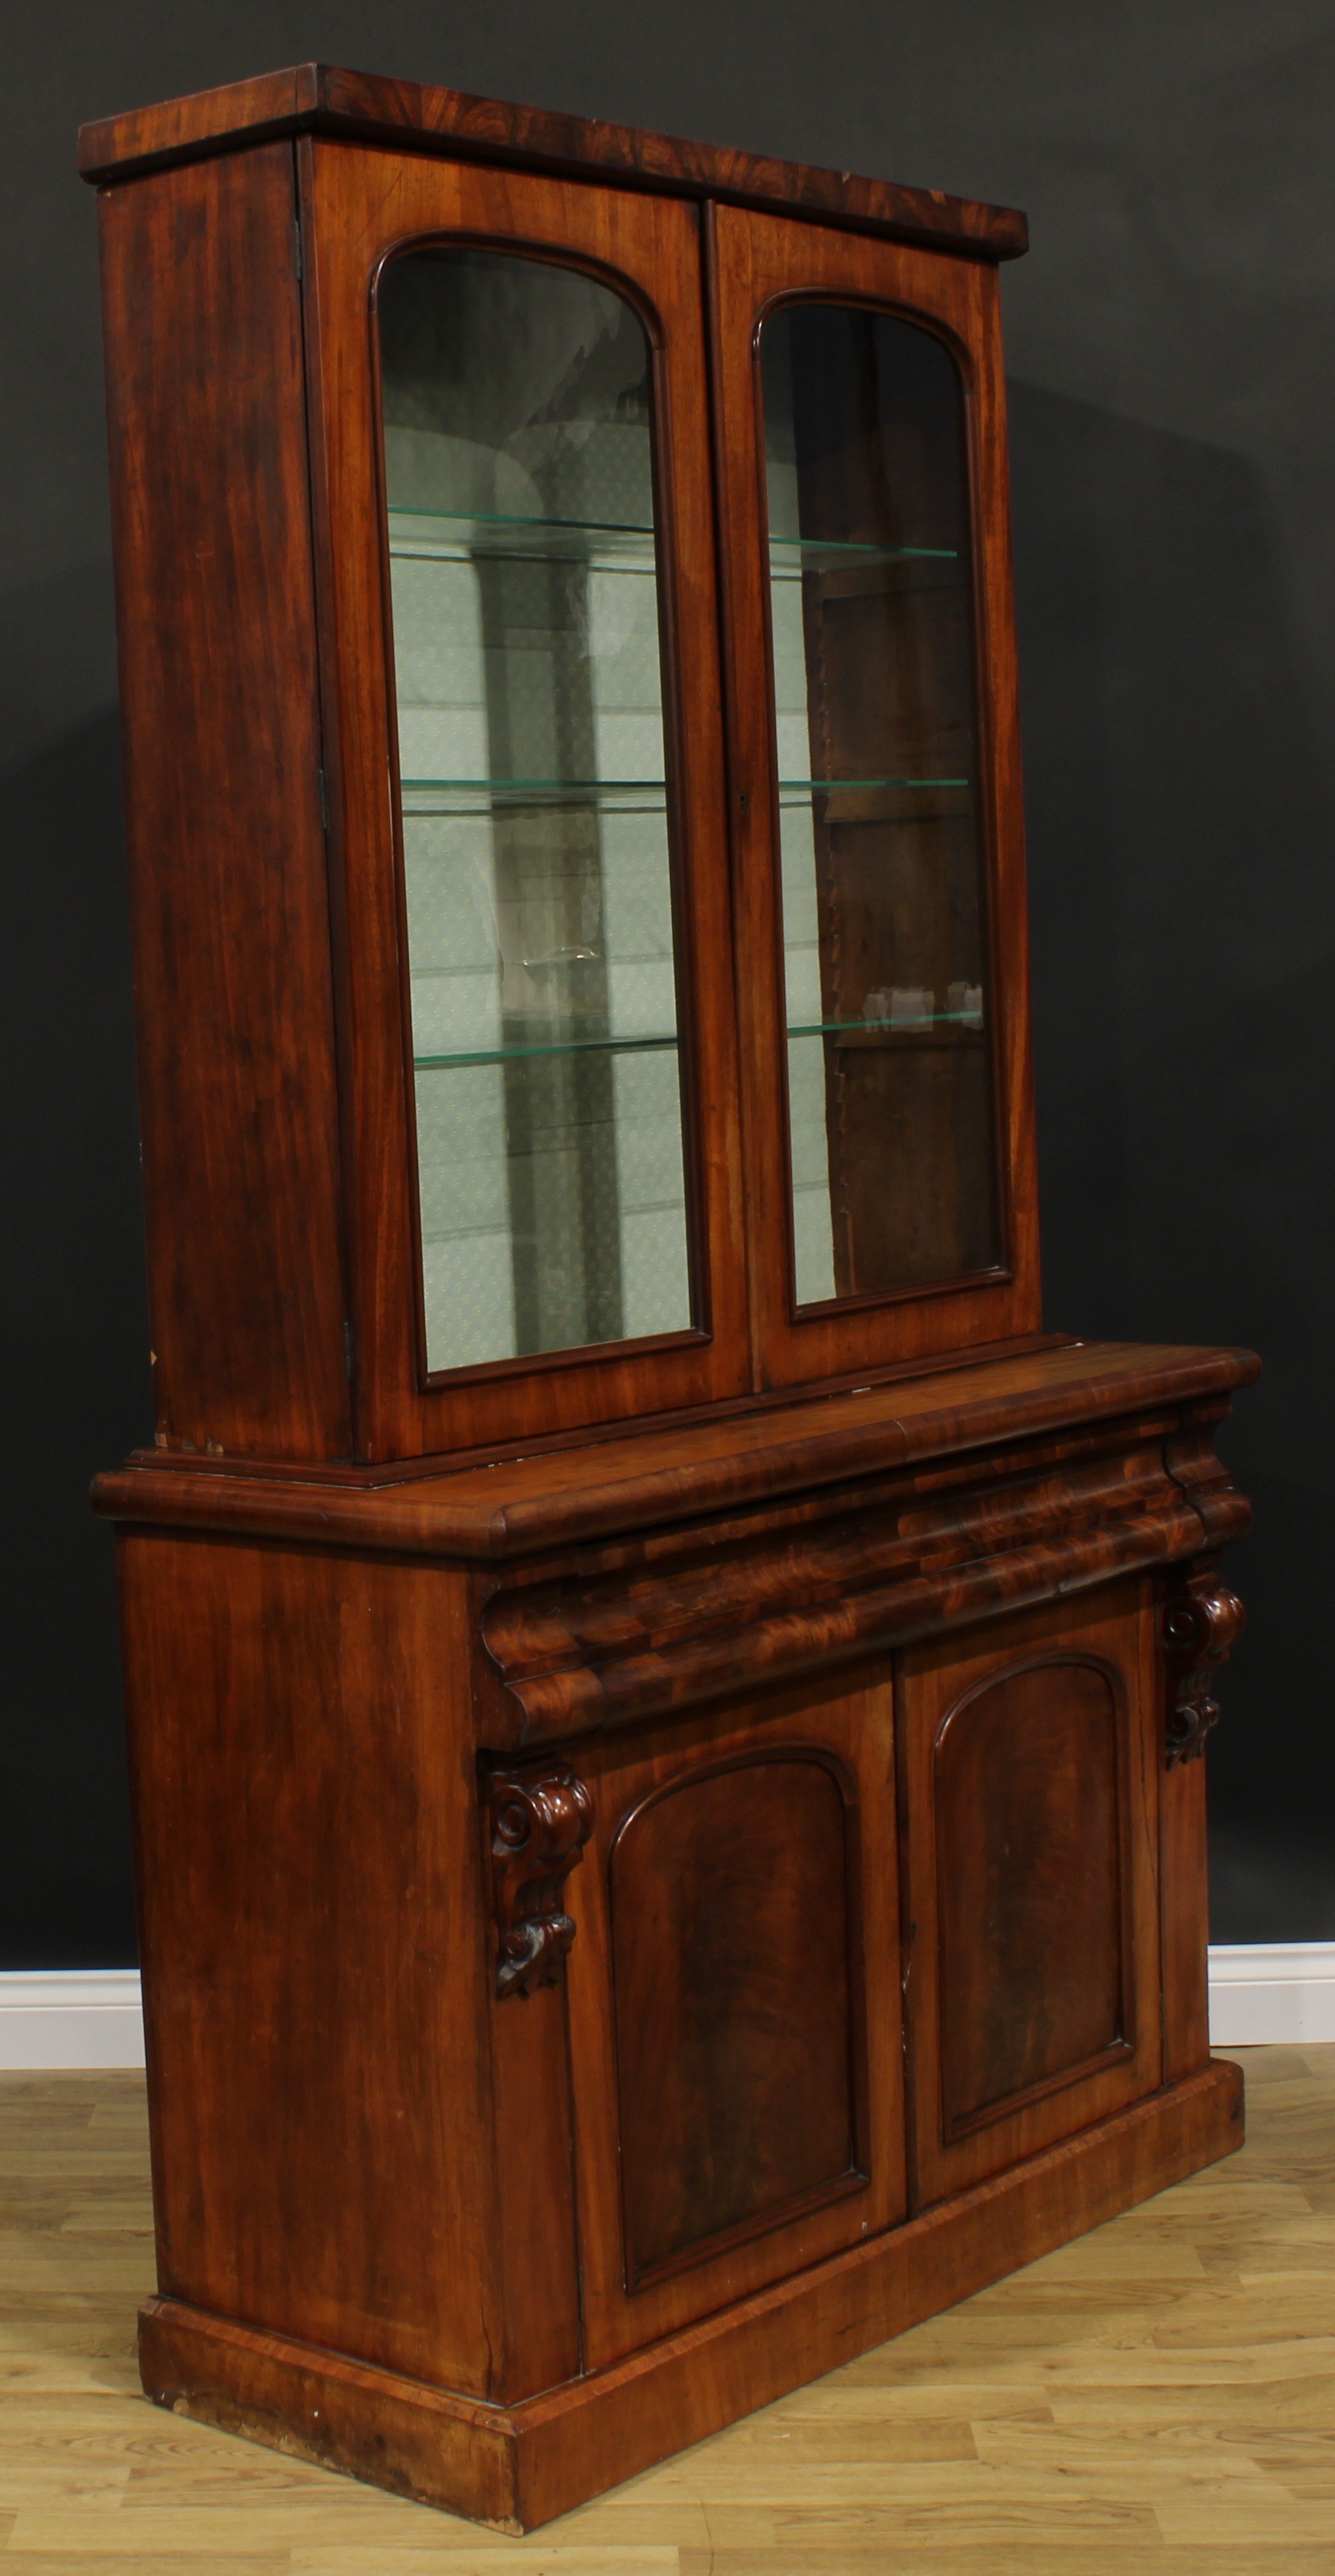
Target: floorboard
1156, 2400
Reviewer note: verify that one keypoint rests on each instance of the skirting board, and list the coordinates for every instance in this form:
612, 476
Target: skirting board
1261, 1990
70, 2017
1272, 1990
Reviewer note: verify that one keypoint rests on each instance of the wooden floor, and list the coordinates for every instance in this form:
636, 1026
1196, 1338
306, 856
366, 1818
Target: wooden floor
1159, 2398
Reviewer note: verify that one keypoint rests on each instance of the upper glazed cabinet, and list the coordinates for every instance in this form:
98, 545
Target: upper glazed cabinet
605, 854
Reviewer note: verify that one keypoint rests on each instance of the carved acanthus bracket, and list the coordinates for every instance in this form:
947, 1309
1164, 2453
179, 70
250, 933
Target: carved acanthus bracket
540, 1822
1202, 1622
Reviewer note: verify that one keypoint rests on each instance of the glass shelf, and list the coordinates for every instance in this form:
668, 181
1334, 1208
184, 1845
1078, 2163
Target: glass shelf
886, 1028
619, 795
828, 803
559, 1046
862, 786
792, 556
484, 795
456, 536
453, 536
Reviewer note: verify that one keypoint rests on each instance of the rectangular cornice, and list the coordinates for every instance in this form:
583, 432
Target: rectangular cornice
316, 98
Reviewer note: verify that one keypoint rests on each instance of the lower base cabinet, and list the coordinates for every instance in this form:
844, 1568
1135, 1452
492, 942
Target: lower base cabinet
840, 1957
600, 1978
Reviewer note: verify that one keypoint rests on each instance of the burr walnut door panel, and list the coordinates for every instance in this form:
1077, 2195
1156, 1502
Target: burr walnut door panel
734, 2008
1028, 1783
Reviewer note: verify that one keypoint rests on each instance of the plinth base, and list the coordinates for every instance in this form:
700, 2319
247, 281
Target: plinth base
516, 2467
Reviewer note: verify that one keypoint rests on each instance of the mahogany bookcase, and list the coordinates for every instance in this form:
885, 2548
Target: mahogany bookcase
665, 1709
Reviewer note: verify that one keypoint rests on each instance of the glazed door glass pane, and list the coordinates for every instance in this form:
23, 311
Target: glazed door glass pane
889, 1056
535, 812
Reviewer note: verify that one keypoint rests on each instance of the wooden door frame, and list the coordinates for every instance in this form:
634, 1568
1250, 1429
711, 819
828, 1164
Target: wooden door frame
1112, 1627
757, 263
359, 210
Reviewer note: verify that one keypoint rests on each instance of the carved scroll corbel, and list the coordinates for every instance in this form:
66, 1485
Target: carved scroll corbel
540, 1822
1202, 1622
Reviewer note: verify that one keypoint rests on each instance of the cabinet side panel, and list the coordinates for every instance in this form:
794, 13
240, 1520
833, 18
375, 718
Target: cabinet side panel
222, 766
316, 1970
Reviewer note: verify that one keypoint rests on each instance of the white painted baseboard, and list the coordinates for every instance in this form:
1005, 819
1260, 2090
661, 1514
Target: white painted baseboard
1272, 1990
1267, 1990
71, 2017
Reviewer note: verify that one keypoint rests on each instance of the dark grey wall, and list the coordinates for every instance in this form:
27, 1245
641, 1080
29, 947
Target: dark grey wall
1172, 351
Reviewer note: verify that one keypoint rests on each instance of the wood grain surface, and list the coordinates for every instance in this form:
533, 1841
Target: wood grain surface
1028, 1764
1158, 2397
734, 2008
301, 1796
567, 1496
319, 98
632, 1627
732, 1929
222, 744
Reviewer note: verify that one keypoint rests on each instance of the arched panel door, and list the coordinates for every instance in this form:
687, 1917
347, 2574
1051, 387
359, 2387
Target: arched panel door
526, 789
736, 1996
733, 1994
878, 824
1030, 1786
